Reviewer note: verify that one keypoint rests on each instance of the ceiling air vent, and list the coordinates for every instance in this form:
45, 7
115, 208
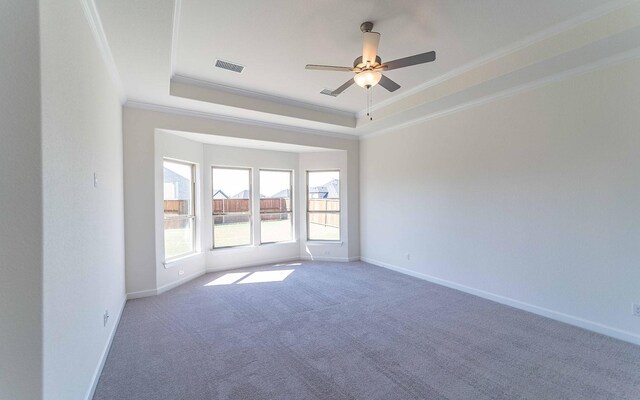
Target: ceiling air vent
229, 66
328, 92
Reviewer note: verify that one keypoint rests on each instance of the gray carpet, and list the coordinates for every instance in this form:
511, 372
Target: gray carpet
353, 331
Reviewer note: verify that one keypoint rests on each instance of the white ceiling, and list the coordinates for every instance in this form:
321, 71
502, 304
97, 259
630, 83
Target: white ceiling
275, 39
153, 41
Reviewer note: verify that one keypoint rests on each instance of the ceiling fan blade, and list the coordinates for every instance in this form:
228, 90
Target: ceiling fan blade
370, 47
408, 61
328, 68
343, 87
388, 84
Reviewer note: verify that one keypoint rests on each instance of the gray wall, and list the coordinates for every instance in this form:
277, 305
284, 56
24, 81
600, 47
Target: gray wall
83, 224
20, 203
532, 200
140, 172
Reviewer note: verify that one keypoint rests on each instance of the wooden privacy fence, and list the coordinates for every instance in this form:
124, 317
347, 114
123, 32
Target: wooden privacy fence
331, 218
223, 206
176, 207
277, 209
275, 204
269, 204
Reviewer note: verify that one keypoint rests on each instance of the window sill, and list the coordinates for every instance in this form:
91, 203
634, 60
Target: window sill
171, 262
279, 243
231, 248
324, 243
251, 246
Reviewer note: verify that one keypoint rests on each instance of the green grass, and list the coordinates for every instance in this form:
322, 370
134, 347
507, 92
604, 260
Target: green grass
225, 235
276, 231
322, 232
179, 241
239, 234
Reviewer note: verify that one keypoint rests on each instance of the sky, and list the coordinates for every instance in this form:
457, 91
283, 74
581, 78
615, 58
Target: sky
183, 170
319, 178
234, 181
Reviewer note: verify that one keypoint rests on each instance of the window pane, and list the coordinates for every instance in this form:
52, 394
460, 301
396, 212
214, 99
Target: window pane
323, 226
231, 206
275, 188
231, 183
178, 185
324, 190
276, 227
323, 205
178, 237
231, 230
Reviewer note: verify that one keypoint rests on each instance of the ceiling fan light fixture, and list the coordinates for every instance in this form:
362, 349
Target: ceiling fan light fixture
367, 79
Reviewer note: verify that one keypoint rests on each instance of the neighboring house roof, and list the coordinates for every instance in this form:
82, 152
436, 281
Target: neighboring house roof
281, 194
181, 185
220, 195
242, 195
330, 190
320, 191
333, 187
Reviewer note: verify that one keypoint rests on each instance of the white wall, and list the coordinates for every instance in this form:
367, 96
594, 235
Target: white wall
170, 274
83, 224
318, 250
531, 200
20, 203
139, 127
220, 259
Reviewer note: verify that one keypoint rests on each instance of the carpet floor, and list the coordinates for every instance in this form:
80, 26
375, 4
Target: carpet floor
320, 330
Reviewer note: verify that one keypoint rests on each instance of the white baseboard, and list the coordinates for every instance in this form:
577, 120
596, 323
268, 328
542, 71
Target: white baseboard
180, 281
142, 293
164, 288
105, 352
556, 315
253, 264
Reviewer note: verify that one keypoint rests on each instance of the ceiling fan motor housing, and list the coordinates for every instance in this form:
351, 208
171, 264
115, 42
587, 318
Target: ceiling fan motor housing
357, 63
366, 26
368, 68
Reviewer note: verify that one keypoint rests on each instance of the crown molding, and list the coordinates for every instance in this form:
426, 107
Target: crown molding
558, 77
507, 50
93, 18
95, 24
259, 95
142, 105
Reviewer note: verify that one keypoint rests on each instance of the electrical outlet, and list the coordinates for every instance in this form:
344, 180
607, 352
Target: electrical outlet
180, 272
327, 252
105, 318
407, 256
636, 309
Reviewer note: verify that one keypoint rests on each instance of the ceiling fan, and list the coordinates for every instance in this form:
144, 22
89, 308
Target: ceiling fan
368, 67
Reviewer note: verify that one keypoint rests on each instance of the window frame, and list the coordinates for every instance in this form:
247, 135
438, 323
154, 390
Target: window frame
249, 213
339, 212
192, 216
291, 202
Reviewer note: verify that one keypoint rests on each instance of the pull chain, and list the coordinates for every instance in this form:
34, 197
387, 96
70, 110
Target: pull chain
369, 103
